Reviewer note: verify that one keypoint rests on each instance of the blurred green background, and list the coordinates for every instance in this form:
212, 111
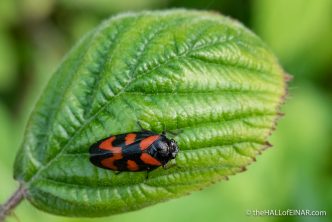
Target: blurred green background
295, 174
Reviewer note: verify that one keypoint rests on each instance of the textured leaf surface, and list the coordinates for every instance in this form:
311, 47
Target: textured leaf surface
195, 71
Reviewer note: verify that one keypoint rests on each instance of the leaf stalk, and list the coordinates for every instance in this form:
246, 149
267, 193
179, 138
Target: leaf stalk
11, 203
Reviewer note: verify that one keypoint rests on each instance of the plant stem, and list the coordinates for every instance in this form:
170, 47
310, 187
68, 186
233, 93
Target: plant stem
11, 203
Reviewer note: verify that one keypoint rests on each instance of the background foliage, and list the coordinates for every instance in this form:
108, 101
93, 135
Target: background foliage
296, 173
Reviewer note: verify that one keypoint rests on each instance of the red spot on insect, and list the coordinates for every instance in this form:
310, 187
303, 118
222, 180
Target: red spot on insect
132, 165
116, 151
109, 162
147, 159
107, 145
130, 138
145, 143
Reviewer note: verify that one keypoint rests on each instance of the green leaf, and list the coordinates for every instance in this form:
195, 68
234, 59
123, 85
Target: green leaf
191, 70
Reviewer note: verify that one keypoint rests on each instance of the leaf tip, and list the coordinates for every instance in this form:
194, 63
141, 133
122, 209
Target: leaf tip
288, 77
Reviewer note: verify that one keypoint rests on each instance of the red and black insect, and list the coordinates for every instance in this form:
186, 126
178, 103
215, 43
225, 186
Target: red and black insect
136, 151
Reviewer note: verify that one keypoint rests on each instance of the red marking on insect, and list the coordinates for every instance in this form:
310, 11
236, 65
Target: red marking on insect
147, 159
145, 143
130, 138
108, 145
110, 162
132, 165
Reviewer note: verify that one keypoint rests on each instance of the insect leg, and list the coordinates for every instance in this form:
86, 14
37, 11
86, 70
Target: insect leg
175, 132
170, 165
141, 127
147, 173
164, 129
